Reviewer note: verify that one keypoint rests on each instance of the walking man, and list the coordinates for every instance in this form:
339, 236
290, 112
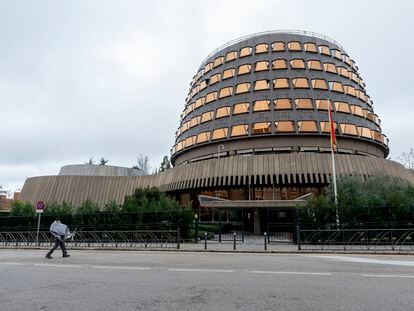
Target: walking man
60, 232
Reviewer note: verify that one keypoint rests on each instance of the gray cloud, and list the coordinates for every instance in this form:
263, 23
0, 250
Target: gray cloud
85, 79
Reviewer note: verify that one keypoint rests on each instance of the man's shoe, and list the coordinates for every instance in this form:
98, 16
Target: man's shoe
66, 256
48, 257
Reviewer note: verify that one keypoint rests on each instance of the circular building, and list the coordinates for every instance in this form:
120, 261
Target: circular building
270, 93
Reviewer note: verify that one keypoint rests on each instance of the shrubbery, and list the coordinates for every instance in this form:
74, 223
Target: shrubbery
378, 201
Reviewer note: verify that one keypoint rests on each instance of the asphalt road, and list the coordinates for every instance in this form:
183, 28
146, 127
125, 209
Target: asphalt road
98, 280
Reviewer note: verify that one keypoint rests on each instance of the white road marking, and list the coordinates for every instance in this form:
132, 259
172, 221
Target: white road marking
200, 270
290, 272
387, 276
57, 265
369, 260
11, 263
121, 267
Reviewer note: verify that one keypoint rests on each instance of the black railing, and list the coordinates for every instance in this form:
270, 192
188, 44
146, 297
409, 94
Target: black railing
97, 239
376, 240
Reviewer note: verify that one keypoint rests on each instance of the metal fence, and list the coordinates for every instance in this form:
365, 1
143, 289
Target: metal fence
375, 240
97, 239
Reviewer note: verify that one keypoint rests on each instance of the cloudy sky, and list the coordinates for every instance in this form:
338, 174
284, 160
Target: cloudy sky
81, 79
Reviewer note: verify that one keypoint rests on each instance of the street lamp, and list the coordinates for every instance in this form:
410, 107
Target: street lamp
219, 147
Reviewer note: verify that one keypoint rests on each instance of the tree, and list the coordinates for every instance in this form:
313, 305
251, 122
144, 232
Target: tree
91, 161
103, 161
143, 164
165, 164
20, 208
407, 159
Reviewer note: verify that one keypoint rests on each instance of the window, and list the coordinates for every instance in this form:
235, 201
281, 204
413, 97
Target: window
297, 64
343, 72
189, 108
203, 137
231, 55
279, 64
260, 66
349, 90
220, 133
243, 88
208, 67
364, 132
357, 110
329, 67
218, 61
303, 103
222, 112
203, 85
314, 64
179, 146
189, 141
262, 48
278, 46
370, 116
207, 116
310, 47
346, 59
261, 105
342, 107
294, 46
283, 104
241, 108
185, 127
326, 127
285, 126
337, 54
246, 51
239, 130
300, 83
307, 126
243, 69
195, 121
281, 83
215, 78
336, 86
261, 85
211, 97
322, 104
262, 128
376, 135
353, 76
199, 102
226, 92
319, 84
324, 49
349, 129
229, 73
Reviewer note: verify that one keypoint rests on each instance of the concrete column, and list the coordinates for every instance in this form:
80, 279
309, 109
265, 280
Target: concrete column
256, 221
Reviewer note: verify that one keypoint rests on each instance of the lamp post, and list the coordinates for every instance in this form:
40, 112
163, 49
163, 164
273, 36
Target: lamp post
219, 147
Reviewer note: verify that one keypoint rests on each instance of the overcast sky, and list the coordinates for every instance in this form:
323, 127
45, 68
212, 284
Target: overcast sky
81, 79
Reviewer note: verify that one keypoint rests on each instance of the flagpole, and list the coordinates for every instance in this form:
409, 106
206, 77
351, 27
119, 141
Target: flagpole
332, 132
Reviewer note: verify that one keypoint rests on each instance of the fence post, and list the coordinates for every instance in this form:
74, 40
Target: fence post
343, 239
178, 238
205, 240
220, 229
234, 240
298, 237
265, 241
196, 223
392, 243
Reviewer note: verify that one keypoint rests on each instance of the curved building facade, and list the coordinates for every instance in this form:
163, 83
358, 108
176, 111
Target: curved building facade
269, 93
255, 126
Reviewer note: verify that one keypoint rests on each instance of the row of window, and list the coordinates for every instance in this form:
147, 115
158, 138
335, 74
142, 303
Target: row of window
278, 104
278, 83
279, 46
285, 126
277, 64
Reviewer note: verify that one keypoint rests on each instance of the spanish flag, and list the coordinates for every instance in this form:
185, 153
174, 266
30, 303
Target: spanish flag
332, 129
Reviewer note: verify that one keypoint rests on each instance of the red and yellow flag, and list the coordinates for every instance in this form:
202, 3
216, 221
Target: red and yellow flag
332, 129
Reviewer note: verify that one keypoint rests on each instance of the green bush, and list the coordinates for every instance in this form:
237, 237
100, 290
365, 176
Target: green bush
20, 208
